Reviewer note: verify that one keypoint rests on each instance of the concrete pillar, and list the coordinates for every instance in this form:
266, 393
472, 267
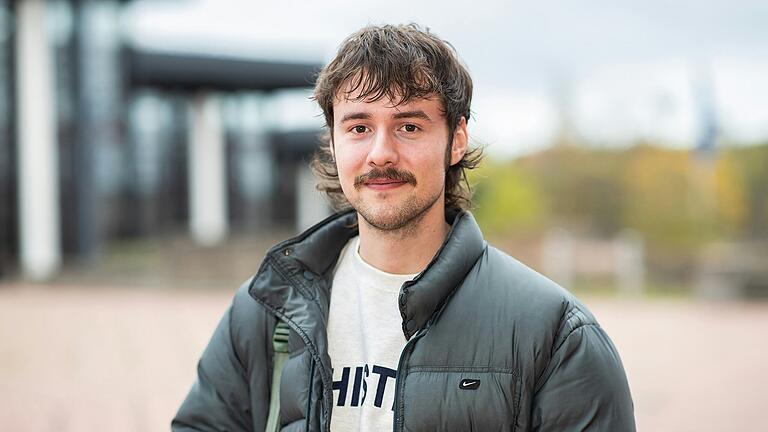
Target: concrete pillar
630, 263
39, 230
207, 171
557, 257
96, 70
311, 207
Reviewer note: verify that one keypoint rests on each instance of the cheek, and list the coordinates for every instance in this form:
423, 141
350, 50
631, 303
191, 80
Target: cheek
348, 165
431, 167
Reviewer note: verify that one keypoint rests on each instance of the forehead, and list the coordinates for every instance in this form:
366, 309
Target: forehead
347, 103
384, 103
362, 92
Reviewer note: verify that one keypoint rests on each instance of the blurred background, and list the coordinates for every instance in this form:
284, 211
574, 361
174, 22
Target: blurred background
152, 150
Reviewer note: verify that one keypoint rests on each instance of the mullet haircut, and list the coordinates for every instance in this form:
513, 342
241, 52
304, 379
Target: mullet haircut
400, 63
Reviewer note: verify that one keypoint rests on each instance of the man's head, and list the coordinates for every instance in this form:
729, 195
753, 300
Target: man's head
396, 100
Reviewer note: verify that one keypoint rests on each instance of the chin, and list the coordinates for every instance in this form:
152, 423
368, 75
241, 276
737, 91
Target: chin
385, 221
393, 217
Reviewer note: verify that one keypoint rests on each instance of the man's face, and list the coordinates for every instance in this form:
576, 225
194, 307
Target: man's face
392, 159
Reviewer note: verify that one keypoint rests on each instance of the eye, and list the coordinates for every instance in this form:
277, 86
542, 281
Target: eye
359, 129
410, 127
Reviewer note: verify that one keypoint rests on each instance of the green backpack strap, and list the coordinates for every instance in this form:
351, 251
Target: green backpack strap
280, 355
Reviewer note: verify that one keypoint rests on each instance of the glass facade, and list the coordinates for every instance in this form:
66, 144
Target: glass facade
123, 145
7, 153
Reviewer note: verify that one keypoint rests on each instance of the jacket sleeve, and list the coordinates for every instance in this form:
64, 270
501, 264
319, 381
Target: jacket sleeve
231, 392
584, 387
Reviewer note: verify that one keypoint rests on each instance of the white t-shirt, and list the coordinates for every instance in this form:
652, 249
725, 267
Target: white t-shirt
365, 339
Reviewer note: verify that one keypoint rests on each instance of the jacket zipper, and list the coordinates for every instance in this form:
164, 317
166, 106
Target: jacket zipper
398, 420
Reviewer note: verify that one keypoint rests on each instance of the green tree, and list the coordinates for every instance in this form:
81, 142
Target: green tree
508, 199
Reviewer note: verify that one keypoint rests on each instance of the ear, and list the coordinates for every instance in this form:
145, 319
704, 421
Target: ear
460, 141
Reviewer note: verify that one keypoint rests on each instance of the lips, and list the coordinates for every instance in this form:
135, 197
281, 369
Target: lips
383, 184
388, 178
383, 181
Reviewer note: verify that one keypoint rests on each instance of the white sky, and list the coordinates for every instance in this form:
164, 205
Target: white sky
617, 70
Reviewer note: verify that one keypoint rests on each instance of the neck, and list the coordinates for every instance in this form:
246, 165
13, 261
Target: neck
407, 250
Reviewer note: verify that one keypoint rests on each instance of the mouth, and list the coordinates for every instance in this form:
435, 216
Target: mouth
384, 183
385, 179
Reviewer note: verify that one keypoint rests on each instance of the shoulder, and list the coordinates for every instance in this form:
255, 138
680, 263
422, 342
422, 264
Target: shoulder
502, 276
250, 323
530, 300
244, 307
541, 314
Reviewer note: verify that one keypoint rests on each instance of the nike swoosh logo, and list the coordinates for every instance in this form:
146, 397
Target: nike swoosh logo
469, 384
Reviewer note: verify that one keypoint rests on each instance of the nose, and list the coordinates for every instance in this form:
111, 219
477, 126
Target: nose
383, 150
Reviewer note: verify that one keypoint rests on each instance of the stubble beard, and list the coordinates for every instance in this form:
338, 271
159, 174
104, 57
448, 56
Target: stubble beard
403, 220
407, 219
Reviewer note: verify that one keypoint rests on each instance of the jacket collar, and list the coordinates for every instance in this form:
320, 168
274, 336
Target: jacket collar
313, 254
426, 294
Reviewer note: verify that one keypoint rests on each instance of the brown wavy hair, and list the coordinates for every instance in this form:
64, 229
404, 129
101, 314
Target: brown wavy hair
400, 63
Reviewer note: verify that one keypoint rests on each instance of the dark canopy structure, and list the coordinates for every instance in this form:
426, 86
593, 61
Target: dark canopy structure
93, 85
186, 71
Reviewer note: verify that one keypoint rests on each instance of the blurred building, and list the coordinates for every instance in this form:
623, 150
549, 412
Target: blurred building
100, 140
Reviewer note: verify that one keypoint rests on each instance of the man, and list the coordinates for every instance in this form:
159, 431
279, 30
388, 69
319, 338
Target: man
401, 317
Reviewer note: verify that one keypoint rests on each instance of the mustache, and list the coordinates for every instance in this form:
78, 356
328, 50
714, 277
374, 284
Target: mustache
389, 173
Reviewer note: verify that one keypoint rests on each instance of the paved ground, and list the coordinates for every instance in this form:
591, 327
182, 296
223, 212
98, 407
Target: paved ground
107, 359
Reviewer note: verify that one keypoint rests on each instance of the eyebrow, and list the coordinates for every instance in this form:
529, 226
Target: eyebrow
355, 116
399, 115
412, 114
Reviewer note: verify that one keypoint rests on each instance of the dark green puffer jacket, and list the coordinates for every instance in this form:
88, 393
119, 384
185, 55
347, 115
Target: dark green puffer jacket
543, 362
